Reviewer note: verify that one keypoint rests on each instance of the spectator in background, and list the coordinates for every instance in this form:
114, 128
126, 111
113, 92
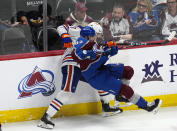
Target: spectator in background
50, 20
24, 24
54, 40
145, 22
170, 19
36, 22
159, 5
129, 5
19, 38
116, 25
79, 16
22, 18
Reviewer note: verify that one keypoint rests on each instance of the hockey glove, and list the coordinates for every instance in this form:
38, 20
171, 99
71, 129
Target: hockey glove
107, 51
111, 51
114, 50
66, 39
110, 44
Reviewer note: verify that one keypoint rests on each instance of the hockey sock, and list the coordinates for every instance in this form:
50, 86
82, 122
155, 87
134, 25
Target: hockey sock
134, 98
104, 96
142, 103
54, 107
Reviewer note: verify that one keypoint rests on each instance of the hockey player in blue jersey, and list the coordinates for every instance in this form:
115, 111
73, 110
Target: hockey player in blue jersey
71, 76
106, 77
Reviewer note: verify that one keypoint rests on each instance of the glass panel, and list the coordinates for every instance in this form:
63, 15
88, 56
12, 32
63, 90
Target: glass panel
15, 31
121, 19
19, 34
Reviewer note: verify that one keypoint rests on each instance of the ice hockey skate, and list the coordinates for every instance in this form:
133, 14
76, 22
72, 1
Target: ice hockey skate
0, 127
119, 98
154, 106
108, 110
46, 122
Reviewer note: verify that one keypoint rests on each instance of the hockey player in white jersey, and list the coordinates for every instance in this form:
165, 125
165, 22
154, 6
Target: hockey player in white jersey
71, 76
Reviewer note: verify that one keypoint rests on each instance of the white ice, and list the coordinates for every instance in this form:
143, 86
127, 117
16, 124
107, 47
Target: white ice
137, 120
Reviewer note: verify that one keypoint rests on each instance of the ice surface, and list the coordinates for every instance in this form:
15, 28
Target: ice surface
137, 120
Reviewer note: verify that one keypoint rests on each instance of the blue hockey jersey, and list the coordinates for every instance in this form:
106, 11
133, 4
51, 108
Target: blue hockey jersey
93, 70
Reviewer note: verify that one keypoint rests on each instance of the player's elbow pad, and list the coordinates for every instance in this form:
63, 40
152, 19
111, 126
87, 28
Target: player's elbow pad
66, 39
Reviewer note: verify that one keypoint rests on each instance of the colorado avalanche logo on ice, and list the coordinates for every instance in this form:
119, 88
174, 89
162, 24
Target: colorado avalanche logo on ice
151, 72
39, 81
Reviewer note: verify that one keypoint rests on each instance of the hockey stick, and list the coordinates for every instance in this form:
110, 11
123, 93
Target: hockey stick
132, 44
127, 44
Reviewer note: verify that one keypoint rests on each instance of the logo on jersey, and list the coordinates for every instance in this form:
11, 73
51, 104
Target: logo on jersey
39, 81
151, 72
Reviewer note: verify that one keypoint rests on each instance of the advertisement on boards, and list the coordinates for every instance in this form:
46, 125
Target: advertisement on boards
155, 69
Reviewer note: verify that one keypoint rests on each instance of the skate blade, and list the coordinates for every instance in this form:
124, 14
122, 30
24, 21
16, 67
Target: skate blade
157, 108
108, 114
46, 126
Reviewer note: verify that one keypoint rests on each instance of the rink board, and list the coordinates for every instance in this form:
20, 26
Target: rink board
30, 81
74, 109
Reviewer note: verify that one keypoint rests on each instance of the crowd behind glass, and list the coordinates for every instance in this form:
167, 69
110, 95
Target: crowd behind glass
130, 20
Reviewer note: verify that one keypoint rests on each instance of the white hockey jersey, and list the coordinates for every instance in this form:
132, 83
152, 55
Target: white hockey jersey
170, 24
74, 33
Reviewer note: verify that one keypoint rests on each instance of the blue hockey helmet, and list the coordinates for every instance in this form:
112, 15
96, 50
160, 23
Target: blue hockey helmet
87, 31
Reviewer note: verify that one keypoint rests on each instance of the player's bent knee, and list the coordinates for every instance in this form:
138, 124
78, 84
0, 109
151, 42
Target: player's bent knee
128, 72
126, 91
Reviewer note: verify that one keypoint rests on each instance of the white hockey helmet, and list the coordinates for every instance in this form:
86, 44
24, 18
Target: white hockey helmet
97, 27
